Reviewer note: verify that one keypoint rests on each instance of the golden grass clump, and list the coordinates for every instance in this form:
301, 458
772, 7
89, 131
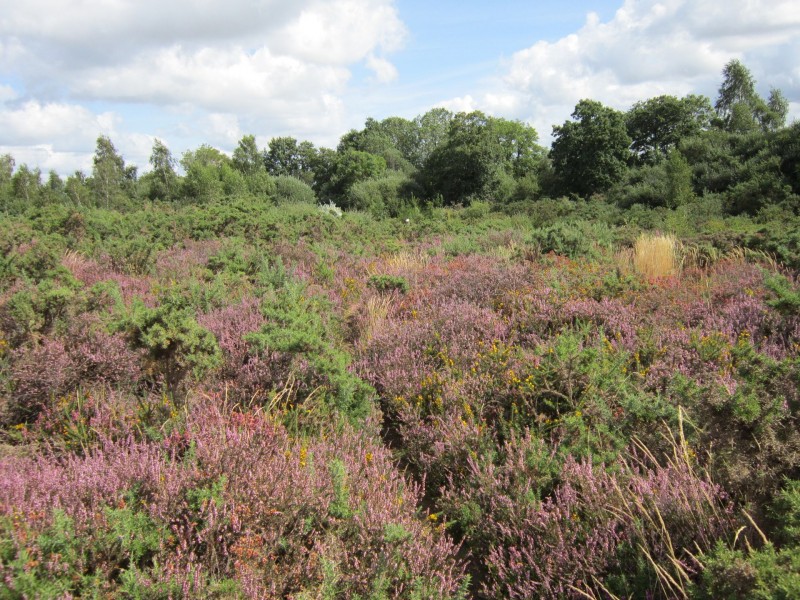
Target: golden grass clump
656, 255
377, 308
407, 261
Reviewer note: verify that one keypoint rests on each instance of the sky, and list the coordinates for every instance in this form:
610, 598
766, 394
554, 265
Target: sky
192, 72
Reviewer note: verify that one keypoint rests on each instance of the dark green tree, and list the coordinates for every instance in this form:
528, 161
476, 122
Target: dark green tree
348, 168
657, 125
480, 158
285, 156
591, 152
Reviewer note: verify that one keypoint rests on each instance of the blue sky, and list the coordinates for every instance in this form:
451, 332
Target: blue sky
200, 71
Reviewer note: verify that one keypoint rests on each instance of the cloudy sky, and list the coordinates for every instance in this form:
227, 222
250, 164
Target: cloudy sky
203, 71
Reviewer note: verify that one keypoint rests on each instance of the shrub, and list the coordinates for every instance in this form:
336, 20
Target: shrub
298, 329
291, 190
176, 344
388, 283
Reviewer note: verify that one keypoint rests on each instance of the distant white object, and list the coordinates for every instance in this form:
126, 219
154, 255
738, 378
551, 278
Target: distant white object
408, 220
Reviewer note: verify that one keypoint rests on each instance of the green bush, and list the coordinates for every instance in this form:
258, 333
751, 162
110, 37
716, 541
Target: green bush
578, 239
763, 574
291, 190
300, 329
177, 345
388, 283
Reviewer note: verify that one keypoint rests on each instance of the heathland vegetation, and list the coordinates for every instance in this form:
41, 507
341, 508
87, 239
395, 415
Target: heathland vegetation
439, 361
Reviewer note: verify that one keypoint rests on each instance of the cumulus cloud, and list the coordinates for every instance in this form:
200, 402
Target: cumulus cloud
649, 47
34, 123
271, 63
385, 71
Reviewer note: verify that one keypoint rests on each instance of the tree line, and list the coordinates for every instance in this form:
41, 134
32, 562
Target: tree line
664, 151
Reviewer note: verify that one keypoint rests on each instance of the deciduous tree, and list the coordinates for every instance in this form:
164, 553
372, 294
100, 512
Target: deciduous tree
591, 152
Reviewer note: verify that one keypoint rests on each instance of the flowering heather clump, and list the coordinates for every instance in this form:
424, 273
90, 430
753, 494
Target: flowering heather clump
230, 325
86, 355
241, 502
186, 259
548, 532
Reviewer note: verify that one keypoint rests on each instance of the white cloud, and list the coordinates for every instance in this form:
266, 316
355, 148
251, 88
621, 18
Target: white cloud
461, 104
278, 66
40, 124
343, 31
216, 79
385, 72
650, 47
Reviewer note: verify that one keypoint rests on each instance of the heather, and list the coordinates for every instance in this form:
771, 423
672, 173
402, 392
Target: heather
379, 376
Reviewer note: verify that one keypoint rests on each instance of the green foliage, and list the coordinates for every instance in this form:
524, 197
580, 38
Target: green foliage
382, 197
679, 180
291, 190
572, 239
170, 334
111, 180
59, 561
162, 182
763, 574
787, 300
658, 124
591, 152
339, 507
388, 283
348, 169
300, 328
479, 159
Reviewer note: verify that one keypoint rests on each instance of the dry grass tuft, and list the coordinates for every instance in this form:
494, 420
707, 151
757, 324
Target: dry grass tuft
402, 262
377, 310
73, 258
656, 256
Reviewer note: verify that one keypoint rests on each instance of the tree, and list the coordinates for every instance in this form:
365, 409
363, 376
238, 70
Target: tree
203, 180
350, 167
109, 175
738, 88
378, 139
77, 188
657, 125
247, 158
284, 156
777, 111
591, 152
480, 158
679, 180
163, 180
739, 107
431, 131
6, 172
53, 191
27, 184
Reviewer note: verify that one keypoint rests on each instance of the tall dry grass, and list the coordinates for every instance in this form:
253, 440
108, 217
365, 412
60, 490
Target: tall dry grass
377, 310
656, 256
